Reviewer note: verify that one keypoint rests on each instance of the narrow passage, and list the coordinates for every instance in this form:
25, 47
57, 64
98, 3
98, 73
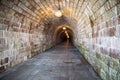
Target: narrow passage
63, 62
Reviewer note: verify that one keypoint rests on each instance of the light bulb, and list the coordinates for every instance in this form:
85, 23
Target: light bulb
64, 28
58, 13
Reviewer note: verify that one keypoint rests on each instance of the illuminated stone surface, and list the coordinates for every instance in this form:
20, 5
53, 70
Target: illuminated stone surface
63, 62
29, 27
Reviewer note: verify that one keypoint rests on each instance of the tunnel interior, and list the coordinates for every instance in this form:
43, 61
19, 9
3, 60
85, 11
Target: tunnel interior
64, 37
64, 34
28, 27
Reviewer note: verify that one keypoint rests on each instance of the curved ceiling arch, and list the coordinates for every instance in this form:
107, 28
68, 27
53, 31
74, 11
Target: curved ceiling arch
59, 33
59, 29
42, 11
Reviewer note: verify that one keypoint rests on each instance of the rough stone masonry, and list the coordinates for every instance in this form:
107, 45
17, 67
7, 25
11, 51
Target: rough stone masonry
30, 26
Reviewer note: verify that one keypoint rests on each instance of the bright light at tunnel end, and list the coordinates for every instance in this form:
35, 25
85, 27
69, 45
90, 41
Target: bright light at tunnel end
58, 13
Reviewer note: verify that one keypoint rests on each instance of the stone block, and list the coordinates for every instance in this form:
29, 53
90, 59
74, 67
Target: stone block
112, 74
114, 63
86, 55
112, 12
118, 76
3, 27
118, 31
99, 63
1, 33
103, 74
104, 67
118, 8
112, 3
104, 50
105, 59
1, 20
98, 55
6, 59
115, 53
6, 22
115, 20
25, 58
2, 44
118, 19
2, 61
2, 68
111, 31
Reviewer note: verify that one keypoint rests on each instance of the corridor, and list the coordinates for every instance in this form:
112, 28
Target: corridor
31, 32
62, 62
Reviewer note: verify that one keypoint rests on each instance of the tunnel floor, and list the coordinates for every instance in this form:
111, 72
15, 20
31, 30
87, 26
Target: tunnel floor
63, 62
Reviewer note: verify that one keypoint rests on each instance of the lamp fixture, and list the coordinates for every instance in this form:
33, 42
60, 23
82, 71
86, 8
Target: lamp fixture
64, 28
58, 13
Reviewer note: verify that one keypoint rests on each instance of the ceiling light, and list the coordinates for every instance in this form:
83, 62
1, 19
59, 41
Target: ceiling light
64, 28
58, 13
67, 34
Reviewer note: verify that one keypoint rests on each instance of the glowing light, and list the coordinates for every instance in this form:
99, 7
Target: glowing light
64, 28
67, 34
58, 13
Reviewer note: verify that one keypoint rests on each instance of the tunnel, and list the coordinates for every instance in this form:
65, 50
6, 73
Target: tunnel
29, 28
63, 33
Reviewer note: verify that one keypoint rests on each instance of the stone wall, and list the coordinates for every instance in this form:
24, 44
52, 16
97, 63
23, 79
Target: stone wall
21, 35
98, 38
23, 31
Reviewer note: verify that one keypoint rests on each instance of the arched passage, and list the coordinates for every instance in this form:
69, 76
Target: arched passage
31, 26
63, 36
62, 33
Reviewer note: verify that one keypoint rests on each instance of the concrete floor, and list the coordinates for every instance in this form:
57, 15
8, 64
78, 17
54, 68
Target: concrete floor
63, 62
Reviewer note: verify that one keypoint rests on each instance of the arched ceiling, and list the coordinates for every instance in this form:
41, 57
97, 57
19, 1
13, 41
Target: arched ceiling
59, 30
43, 11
